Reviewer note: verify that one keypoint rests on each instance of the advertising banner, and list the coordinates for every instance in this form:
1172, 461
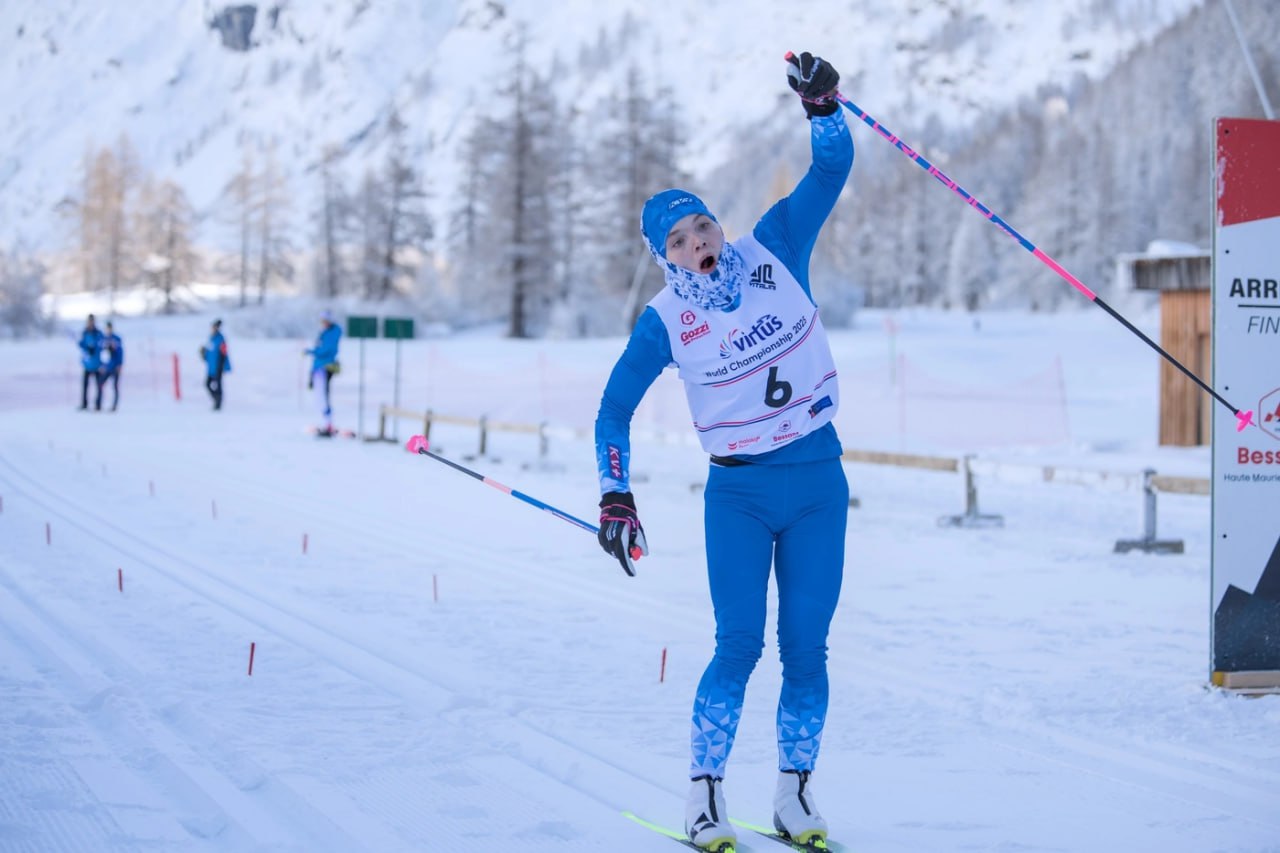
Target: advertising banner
1245, 566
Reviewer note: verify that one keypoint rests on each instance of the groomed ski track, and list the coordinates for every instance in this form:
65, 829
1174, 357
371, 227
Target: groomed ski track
503, 762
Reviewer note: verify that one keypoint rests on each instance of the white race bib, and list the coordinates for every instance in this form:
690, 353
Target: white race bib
758, 377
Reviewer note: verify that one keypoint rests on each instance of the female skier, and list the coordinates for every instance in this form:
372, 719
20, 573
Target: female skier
739, 323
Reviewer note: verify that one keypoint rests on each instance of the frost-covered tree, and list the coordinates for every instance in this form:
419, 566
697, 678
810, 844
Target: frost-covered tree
394, 227
100, 214
408, 226
270, 205
640, 136
21, 286
473, 277
514, 203
238, 195
256, 203
333, 220
163, 227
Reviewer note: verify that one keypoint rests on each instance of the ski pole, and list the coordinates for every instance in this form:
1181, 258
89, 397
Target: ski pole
1243, 418
419, 444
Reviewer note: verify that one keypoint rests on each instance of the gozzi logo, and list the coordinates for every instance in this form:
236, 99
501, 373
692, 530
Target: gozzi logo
688, 318
738, 340
762, 277
692, 335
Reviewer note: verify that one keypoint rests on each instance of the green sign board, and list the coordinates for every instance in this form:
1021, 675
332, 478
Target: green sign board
362, 327
397, 327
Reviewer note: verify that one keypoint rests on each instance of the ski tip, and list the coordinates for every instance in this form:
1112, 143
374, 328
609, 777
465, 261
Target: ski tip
417, 444
1243, 419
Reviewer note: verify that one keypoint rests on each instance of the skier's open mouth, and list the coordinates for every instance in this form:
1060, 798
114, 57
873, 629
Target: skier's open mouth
708, 264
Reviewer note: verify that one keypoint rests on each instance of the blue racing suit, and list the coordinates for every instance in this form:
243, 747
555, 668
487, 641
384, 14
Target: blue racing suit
216, 362
112, 353
90, 344
324, 357
784, 509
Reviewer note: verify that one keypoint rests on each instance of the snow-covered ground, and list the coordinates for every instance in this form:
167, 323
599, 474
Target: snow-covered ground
446, 668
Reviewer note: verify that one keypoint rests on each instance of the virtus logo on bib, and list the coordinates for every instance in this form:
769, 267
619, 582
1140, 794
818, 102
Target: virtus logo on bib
760, 331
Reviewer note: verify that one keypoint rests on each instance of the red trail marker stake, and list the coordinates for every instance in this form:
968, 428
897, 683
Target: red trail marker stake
304, 543
662, 672
435, 589
177, 384
251, 645
120, 579
48, 534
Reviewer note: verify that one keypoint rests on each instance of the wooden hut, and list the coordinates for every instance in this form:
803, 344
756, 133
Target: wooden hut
1183, 282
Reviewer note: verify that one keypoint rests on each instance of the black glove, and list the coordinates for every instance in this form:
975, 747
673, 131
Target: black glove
815, 81
621, 535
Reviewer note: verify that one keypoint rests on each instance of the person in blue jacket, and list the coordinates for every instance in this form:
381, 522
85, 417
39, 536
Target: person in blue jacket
324, 366
738, 322
216, 362
112, 358
90, 359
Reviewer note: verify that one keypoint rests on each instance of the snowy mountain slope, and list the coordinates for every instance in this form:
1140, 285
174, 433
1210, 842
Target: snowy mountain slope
75, 74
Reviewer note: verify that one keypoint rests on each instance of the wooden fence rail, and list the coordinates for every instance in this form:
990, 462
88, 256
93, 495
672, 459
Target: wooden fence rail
970, 466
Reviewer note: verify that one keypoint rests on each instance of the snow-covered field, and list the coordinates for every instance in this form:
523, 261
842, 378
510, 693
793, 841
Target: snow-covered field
446, 668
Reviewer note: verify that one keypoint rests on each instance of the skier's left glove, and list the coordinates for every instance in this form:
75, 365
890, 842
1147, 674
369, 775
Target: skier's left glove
621, 535
815, 81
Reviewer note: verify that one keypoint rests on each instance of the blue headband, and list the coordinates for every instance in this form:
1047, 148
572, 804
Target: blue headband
663, 211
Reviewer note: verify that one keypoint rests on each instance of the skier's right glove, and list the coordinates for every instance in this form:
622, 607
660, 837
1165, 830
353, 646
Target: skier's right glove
815, 81
621, 535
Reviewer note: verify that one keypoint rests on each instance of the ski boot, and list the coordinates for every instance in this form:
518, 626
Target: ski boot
795, 814
705, 818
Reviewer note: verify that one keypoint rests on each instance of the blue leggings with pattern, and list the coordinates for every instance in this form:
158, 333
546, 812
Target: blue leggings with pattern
790, 518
